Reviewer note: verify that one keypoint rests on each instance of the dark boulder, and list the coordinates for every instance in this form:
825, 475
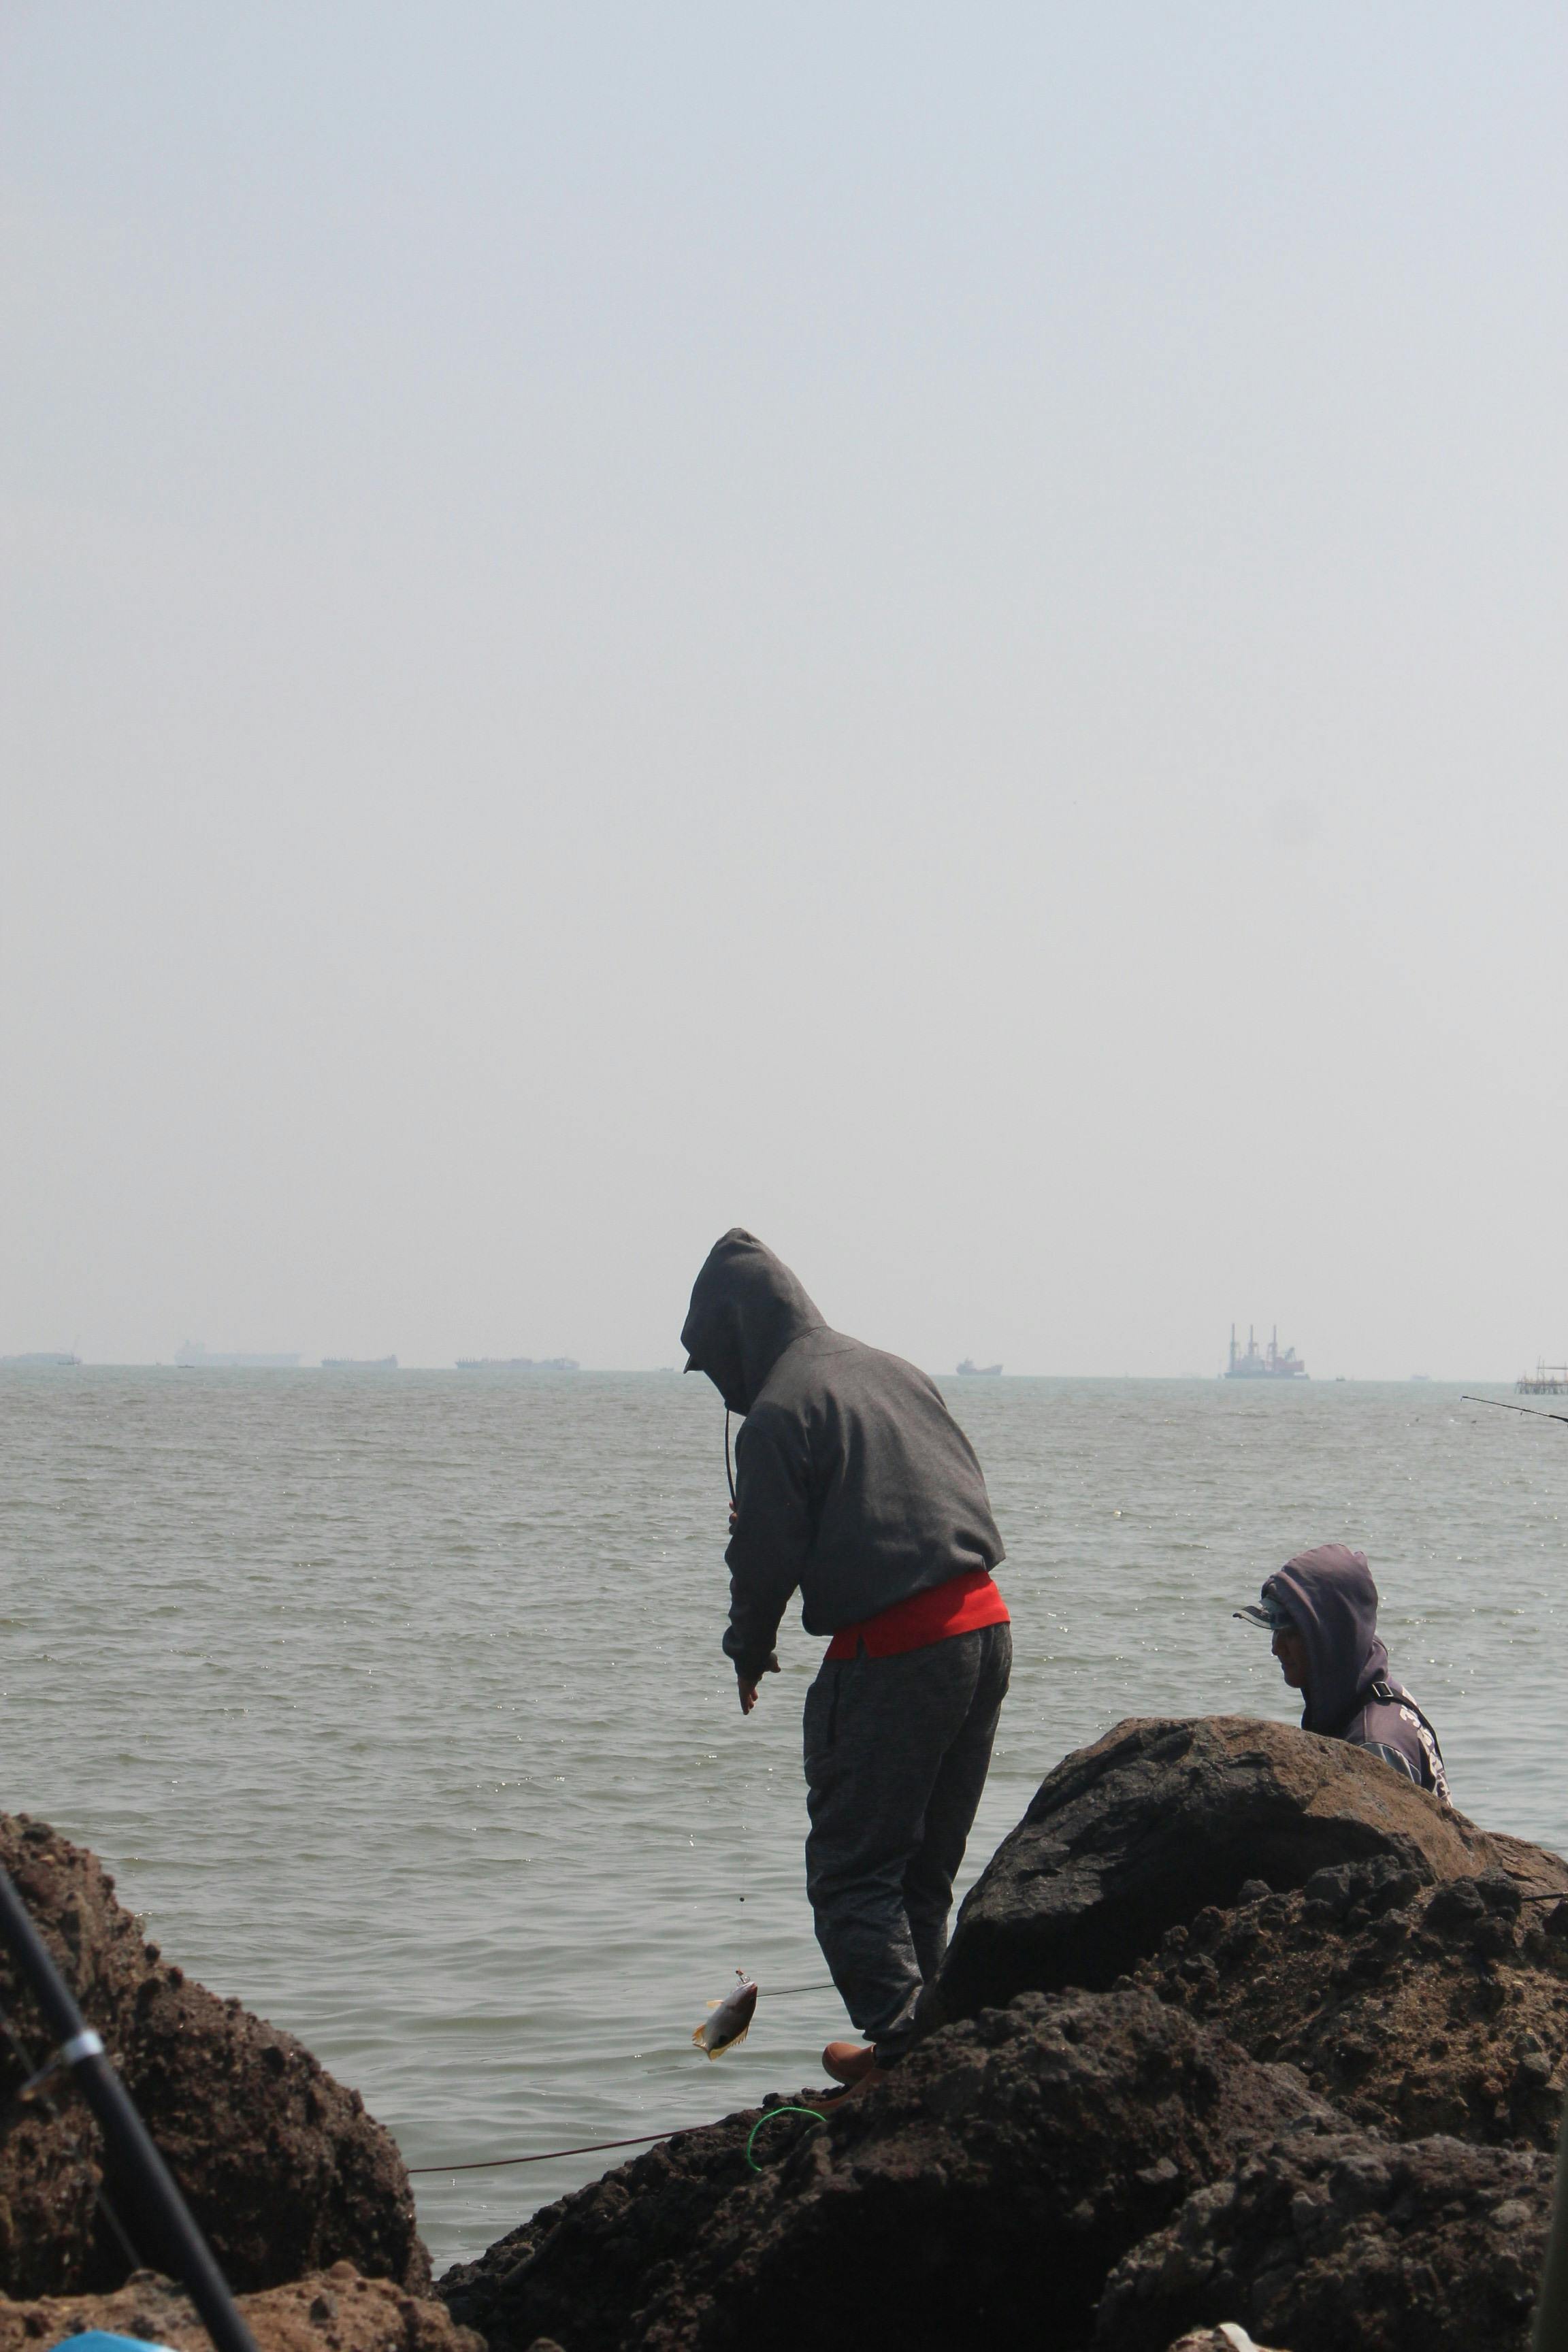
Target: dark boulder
1415, 2011
281, 2164
337, 2311
1160, 1819
1294, 1904
981, 2193
581, 2269
1348, 2245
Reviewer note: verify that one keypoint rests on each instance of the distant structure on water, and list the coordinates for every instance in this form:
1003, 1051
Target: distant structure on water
1263, 1363
359, 1363
519, 1364
192, 1357
1547, 1379
45, 1361
979, 1371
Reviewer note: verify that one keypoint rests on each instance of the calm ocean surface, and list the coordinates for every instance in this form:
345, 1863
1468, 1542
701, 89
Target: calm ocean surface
394, 1701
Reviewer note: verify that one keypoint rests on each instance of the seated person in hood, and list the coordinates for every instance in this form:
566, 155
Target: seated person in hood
1321, 1609
855, 1487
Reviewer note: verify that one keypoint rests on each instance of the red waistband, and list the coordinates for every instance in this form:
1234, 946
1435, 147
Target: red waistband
962, 1605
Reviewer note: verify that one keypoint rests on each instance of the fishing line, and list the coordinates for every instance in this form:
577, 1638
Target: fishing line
598, 2146
589, 2148
1535, 1411
642, 2139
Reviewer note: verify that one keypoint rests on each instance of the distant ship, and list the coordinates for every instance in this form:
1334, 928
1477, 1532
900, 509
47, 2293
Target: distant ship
973, 1370
519, 1364
359, 1363
194, 1357
1264, 1363
44, 1361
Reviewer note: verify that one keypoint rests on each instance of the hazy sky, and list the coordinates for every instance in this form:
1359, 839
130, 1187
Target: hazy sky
939, 631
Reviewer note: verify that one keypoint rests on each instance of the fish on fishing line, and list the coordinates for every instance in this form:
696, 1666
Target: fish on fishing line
731, 2021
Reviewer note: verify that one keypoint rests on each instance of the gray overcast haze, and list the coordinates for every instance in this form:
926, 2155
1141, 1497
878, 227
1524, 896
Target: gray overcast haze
935, 630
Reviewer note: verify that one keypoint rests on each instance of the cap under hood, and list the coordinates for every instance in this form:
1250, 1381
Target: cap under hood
1331, 1599
746, 1310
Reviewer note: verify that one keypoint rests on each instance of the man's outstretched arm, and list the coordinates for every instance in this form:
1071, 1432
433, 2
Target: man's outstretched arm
770, 1536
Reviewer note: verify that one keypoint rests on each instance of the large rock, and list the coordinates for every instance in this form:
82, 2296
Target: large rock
1281, 1896
990, 2182
1416, 2009
1347, 2244
336, 2312
1161, 1818
281, 2165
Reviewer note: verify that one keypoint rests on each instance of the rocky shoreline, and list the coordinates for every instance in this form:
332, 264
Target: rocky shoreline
303, 2197
337, 2309
1237, 2026
281, 2164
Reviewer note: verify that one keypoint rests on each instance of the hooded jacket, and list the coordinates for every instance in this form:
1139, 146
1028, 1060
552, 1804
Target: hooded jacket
852, 1479
1331, 1599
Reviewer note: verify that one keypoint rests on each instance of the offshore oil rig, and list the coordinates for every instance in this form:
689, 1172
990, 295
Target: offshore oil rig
1547, 1379
1264, 1363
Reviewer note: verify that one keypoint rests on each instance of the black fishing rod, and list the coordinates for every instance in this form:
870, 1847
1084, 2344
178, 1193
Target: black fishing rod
125, 2135
1535, 1410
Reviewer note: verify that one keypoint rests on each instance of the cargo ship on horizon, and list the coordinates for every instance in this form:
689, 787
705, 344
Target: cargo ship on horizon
1268, 1363
519, 1364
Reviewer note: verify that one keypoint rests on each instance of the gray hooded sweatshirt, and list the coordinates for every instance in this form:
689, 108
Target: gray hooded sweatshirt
1332, 1599
853, 1480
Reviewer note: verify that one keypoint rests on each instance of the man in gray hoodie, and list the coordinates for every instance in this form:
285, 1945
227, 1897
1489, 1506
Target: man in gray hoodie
1321, 1609
855, 1484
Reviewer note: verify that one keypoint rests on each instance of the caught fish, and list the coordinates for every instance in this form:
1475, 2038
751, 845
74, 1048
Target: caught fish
732, 2019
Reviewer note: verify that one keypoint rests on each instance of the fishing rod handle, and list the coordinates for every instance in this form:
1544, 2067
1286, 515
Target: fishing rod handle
125, 2135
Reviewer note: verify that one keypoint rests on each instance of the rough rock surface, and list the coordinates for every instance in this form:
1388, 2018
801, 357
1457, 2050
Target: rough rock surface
1161, 1818
1276, 1894
995, 2177
281, 2164
1415, 2010
1349, 2245
337, 2311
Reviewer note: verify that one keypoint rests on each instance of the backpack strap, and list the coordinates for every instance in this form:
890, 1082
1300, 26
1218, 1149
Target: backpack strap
1393, 1694
1394, 1756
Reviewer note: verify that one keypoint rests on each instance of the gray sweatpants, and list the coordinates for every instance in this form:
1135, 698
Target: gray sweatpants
896, 1756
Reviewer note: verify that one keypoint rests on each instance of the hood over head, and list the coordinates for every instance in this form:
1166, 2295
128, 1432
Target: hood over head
1331, 1599
746, 1308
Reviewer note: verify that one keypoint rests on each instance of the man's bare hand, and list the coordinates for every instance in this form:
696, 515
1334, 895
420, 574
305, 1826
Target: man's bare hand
748, 1690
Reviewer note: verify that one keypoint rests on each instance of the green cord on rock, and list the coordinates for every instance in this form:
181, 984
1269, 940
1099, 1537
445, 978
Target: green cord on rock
768, 2118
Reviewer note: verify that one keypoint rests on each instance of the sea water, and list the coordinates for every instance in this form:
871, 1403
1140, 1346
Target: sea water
394, 1701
